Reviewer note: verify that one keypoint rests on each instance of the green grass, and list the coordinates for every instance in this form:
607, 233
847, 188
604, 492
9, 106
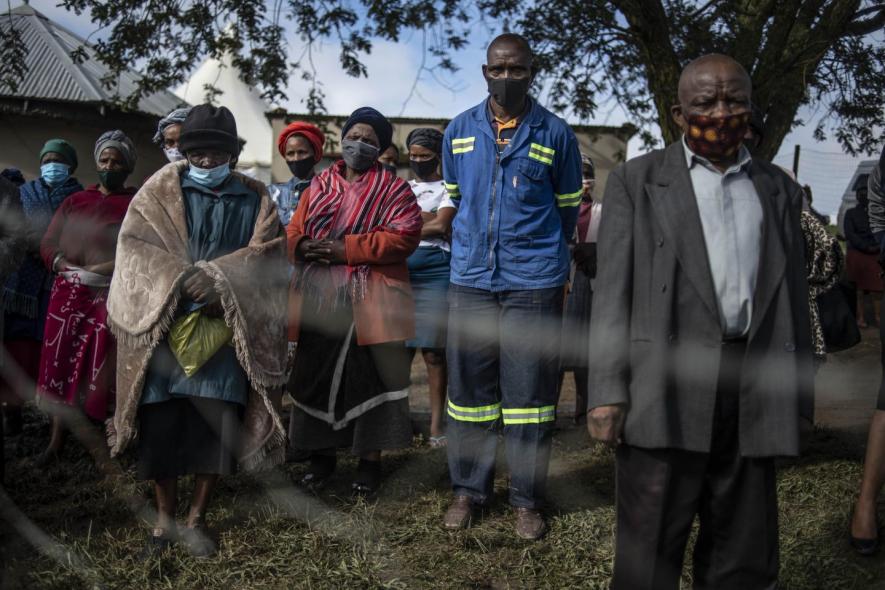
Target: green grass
272, 536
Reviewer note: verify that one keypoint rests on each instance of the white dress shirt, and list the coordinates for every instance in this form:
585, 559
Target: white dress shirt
731, 217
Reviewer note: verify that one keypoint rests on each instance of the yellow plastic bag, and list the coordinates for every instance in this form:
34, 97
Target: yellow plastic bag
195, 338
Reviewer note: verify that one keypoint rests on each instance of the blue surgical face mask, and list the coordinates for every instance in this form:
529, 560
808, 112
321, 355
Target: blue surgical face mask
55, 172
209, 177
173, 154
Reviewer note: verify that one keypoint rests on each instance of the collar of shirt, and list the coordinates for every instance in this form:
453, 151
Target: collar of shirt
504, 131
744, 160
299, 184
231, 187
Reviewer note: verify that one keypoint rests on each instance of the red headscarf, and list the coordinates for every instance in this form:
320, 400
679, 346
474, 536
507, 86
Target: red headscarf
311, 133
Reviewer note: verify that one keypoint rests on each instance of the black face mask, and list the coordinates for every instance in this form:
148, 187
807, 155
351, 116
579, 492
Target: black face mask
389, 167
301, 168
113, 179
424, 168
509, 92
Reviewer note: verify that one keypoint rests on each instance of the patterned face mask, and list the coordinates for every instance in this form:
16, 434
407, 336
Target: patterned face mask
716, 138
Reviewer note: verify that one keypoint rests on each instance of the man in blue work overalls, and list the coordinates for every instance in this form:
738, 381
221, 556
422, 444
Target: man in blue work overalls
513, 169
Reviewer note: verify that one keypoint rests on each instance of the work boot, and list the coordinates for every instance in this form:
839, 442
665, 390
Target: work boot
459, 514
530, 524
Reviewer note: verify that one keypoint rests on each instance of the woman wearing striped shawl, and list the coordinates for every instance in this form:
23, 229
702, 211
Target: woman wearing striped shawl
349, 239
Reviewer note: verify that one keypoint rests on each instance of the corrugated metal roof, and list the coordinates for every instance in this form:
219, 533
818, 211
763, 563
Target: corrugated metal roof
53, 75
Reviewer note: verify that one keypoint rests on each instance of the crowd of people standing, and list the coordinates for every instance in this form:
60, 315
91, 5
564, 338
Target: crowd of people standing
177, 314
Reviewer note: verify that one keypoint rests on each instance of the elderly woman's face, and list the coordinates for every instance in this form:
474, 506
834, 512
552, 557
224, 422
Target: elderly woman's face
171, 135
110, 159
208, 158
364, 133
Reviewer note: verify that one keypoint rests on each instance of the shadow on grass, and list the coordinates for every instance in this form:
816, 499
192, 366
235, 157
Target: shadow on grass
268, 540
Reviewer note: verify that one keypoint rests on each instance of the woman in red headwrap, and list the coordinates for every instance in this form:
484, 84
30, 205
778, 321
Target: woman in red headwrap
301, 145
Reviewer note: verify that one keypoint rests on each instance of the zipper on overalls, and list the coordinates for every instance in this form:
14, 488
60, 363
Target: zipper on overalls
494, 199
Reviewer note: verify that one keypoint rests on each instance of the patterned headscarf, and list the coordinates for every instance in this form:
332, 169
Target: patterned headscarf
176, 117
587, 161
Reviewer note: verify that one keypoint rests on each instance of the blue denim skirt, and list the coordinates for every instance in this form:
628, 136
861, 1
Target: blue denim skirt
429, 275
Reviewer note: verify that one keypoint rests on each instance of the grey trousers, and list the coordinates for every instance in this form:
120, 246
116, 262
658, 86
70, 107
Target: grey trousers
659, 492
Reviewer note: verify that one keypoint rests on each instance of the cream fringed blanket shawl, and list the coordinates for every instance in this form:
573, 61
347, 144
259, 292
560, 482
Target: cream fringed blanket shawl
152, 261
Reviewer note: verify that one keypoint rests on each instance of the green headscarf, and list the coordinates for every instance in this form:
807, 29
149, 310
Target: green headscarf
62, 148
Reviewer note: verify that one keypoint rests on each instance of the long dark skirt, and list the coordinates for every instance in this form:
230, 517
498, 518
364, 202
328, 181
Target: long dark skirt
188, 435
347, 395
863, 270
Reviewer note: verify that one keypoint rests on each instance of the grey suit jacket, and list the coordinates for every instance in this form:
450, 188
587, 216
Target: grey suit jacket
656, 336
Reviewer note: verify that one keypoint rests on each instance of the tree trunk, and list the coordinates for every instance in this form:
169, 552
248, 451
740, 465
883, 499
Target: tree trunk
798, 35
650, 29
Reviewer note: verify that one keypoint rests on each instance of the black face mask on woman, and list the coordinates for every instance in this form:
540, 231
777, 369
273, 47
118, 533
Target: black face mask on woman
301, 168
425, 168
113, 179
357, 155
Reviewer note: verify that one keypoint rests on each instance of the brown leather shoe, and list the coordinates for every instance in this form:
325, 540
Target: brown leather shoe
459, 514
530, 524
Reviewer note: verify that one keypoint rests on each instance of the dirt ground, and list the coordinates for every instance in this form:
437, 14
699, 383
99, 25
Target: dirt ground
72, 525
847, 386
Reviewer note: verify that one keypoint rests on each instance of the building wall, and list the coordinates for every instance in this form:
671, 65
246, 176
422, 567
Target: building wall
22, 137
607, 146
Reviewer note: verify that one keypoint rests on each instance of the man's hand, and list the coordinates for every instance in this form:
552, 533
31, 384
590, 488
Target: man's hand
200, 287
606, 423
584, 255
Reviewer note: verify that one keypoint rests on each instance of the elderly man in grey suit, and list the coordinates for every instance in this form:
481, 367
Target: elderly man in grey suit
701, 366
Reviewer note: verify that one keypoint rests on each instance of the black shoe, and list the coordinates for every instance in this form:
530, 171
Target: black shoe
363, 490
198, 541
321, 469
314, 482
865, 547
368, 479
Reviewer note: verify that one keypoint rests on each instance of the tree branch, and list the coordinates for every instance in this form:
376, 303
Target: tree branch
861, 27
703, 8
